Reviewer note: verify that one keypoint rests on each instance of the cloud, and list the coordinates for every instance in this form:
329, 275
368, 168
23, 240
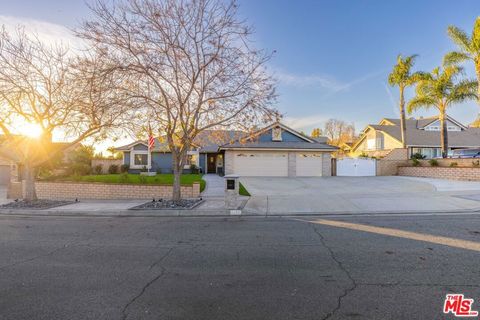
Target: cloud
305, 123
305, 81
47, 32
391, 98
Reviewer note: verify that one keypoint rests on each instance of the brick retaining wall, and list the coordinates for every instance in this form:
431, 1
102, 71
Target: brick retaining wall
110, 191
452, 173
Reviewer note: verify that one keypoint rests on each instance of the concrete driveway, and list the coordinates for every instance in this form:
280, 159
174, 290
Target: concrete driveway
356, 195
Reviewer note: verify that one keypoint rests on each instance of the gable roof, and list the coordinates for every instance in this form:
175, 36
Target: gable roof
418, 137
207, 141
252, 142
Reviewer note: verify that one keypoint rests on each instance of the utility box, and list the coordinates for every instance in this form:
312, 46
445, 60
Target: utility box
232, 187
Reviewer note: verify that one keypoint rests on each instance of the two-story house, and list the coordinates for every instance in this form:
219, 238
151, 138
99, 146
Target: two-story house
422, 136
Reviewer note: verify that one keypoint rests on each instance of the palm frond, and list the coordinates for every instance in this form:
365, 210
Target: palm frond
420, 102
460, 38
475, 43
463, 91
455, 57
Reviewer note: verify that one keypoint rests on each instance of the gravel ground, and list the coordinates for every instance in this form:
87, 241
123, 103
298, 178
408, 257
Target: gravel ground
169, 204
36, 204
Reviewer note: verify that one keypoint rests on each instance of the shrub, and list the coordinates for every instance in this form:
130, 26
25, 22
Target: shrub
98, 169
433, 162
453, 164
79, 169
113, 168
159, 170
417, 156
363, 155
124, 168
476, 163
144, 169
194, 169
415, 162
142, 178
124, 177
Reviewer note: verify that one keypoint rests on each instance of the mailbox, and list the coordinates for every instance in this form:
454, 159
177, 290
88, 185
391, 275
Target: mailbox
230, 184
231, 192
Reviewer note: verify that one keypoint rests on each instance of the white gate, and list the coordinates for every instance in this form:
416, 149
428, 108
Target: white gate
356, 167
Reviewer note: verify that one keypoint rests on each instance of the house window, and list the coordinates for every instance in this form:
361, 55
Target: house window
140, 159
371, 144
191, 159
220, 161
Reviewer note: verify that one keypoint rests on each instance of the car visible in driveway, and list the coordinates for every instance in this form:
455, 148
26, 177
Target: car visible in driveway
466, 153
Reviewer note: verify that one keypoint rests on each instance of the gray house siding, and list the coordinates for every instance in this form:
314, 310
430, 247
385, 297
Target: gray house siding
126, 158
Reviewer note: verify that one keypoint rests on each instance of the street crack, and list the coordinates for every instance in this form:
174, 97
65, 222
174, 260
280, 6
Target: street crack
148, 284
344, 270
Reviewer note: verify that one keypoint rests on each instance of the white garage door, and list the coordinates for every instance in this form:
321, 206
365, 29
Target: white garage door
269, 164
309, 164
4, 175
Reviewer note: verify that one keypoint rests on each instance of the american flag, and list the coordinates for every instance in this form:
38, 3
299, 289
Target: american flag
151, 142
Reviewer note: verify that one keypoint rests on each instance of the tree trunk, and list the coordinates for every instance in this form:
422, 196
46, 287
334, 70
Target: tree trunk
30, 193
177, 173
403, 128
476, 122
444, 134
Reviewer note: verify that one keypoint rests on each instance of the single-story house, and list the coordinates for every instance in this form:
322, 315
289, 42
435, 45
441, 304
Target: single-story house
275, 150
422, 136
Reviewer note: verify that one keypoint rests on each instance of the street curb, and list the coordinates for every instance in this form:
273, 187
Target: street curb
216, 213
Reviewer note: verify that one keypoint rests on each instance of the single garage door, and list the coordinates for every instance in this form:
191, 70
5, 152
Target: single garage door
4, 175
309, 164
258, 164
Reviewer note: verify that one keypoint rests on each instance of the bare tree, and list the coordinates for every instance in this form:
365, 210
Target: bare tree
338, 131
193, 63
55, 90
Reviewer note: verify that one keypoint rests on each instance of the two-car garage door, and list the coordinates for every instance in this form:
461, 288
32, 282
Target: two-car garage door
275, 164
269, 164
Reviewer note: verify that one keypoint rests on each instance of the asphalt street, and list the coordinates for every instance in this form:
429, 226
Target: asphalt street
237, 268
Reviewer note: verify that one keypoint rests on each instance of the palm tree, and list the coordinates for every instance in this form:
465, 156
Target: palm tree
440, 89
402, 77
468, 50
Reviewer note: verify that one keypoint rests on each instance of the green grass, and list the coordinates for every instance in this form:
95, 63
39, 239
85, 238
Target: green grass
159, 179
243, 191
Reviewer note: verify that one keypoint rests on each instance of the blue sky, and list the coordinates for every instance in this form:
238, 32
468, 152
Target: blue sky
332, 57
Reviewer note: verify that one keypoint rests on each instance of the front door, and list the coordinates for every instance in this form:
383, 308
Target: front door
212, 163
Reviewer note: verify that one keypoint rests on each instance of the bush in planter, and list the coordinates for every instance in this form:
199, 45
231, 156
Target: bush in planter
433, 162
417, 156
98, 169
194, 169
113, 169
124, 177
453, 164
79, 169
142, 179
476, 163
124, 168
415, 162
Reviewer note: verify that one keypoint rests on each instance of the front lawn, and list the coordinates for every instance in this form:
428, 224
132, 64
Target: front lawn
243, 191
161, 179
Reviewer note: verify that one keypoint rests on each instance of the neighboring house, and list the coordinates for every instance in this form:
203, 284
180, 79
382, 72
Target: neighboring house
422, 136
276, 150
